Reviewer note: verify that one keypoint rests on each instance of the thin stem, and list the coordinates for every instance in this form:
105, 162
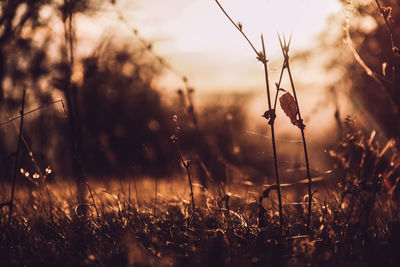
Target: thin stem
270, 114
136, 191
94, 203
155, 195
237, 27
33, 110
147, 45
129, 196
186, 166
391, 33
273, 137
17, 156
358, 58
175, 140
278, 85
285, 51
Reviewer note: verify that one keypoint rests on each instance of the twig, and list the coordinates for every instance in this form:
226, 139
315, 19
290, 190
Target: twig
17, 155
362, 63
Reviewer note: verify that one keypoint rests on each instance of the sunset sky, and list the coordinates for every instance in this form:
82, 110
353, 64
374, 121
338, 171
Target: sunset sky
200, 43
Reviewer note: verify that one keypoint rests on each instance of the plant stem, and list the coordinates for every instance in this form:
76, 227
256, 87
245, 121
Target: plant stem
285, 51
94, 203
273, 136
136, 191
391, 33
237, 27
261, 56
33, 110
16, 156
129, 197
186, 166
155, 195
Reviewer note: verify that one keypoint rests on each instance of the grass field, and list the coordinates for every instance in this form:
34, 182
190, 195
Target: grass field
139, 177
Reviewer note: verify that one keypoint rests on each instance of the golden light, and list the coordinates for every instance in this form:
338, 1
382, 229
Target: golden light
199, 41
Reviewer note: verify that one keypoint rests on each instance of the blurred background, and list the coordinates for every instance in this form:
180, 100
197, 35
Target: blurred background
123, 69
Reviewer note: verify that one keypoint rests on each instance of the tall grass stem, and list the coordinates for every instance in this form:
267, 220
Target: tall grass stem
285, 51
278, 183
21, 125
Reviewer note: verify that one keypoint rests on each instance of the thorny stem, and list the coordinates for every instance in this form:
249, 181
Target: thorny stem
16, 156
273, 137
285, 51
237, 27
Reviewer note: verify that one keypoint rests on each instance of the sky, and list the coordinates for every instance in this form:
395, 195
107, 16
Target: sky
199, 42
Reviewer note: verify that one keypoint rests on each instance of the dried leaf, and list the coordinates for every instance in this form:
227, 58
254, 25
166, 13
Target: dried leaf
289, 106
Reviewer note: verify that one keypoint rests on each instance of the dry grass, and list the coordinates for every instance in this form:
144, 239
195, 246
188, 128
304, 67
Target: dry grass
226, 230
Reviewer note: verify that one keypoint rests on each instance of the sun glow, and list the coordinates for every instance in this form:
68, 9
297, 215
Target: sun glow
197, 39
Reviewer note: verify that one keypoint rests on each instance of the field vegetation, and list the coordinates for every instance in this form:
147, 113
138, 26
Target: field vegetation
99, 167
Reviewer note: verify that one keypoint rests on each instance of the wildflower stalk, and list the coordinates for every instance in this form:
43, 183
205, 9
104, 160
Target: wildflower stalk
17, 156
271, 122
270, 113
185, 164
285, 51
